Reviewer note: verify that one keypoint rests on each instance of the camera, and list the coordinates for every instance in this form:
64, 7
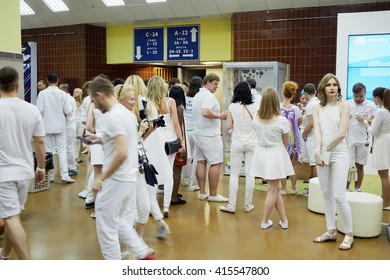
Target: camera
159, 122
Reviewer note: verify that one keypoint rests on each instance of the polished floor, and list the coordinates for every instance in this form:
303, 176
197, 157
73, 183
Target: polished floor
59, 228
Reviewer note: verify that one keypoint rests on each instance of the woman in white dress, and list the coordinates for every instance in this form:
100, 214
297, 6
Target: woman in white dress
159, 105
243, 143
380, 129
331, 118
271, 160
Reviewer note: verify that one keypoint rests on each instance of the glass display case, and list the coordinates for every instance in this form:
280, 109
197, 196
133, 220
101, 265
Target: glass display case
267, 74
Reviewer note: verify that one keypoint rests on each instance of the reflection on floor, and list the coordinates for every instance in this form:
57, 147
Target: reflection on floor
59, 228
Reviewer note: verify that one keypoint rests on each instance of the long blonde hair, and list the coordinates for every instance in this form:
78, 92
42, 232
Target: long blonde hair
78, 98
157, 89
139, 88
269, 105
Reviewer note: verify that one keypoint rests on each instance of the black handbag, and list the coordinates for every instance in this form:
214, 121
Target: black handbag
172, 147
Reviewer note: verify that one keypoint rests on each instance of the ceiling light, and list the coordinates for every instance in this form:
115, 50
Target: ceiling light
25, 9
110, 3
56, 5
155, 1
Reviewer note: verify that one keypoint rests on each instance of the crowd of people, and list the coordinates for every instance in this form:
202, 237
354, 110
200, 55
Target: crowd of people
128, 126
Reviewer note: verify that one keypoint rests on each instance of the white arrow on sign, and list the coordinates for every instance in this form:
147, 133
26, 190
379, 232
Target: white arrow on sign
193, 34
174, 55
138, 53
188, 55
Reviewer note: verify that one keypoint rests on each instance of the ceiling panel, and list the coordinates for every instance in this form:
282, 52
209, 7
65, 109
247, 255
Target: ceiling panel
137, 11
182, 8
228, 6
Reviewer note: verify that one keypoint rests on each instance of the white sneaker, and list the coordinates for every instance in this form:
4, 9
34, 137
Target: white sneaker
228, 208
358, 190
249, 207
83, 194
194, 188
67, 179
163, 230
51, 177
266, 225
203, 196
128, 255
283, 225
217, 198
165, 211
3, 258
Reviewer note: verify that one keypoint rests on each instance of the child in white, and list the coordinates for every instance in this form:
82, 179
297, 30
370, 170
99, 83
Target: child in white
271, 159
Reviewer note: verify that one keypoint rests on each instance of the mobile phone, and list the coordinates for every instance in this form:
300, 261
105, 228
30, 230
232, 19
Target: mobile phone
84, 140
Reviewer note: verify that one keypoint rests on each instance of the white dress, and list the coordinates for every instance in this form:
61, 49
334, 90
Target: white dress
271, 160
154, 145
380, 129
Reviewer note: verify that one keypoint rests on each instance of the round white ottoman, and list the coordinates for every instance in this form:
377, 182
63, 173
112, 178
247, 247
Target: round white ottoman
315, 202
366, 214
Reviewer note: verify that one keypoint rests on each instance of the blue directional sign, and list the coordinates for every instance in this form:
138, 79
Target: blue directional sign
149, 44
183, 43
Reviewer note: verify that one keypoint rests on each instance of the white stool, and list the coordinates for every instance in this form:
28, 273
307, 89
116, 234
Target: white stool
315, 200
366, 214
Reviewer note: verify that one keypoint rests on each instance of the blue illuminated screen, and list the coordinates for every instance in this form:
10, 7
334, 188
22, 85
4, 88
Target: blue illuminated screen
368, 62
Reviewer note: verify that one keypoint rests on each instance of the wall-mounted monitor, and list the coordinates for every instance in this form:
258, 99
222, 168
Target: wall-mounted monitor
368, 62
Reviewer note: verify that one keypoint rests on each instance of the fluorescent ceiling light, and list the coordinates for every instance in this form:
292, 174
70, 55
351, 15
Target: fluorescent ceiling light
56, 5
25, 9
155, 1
110, 3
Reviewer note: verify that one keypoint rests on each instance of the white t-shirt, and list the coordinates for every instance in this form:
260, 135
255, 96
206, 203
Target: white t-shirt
84, 108
71, 117
19, 122
357, 132
205, 99
53, 104
270, 133
188, 116
120, 121
256, 97
243, 133
309, 112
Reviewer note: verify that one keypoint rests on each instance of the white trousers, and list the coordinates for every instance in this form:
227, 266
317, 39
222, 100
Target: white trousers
143, 201
115, 204
56, 142
237, 154
70, 139
77, 142
188, 173
333, 179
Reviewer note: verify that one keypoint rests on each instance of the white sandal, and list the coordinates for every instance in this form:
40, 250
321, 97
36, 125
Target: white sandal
347, 243
325, 237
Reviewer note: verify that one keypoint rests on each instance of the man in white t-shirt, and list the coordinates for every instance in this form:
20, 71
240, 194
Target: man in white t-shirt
116, 186
358, 137
208, 140
256, 97
20, 124
70, 131
54, 106
308, 133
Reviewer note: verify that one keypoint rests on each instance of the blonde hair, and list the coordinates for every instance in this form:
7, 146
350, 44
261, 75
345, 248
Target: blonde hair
289, 89
139, 88
122, 92
78, 98
157, 89
269, 105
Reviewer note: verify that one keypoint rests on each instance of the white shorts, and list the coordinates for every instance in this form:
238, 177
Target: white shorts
97, 154
309, 146
208, 148
358, 152
13, 196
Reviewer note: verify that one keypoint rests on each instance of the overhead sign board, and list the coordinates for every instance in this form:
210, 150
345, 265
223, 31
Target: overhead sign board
183, 43
149, 44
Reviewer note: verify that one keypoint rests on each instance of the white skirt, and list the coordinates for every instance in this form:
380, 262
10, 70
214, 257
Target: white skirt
271, 163
381, 152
